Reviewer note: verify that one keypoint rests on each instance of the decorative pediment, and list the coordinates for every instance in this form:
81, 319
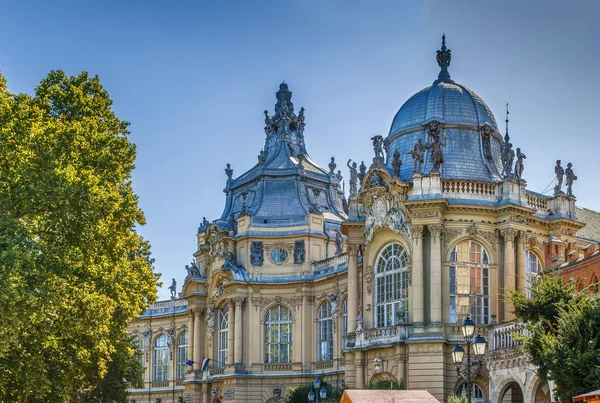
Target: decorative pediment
383, 214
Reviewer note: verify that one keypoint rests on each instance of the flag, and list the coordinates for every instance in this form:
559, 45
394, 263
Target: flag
204, 365
190, 363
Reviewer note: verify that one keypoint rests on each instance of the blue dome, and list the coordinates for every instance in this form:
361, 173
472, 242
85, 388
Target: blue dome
446, 102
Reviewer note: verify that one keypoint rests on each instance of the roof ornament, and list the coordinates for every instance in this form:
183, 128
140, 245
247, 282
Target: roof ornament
506, 136
443, 59
508, 154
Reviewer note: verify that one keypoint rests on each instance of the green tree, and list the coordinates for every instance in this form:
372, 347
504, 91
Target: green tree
73, 269
564, 334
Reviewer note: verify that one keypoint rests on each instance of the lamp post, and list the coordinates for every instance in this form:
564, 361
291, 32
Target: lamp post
458, 353
312, 394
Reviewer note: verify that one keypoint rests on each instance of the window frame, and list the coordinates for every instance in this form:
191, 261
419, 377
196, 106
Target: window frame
222, 336
392, 284
325, 332
478, 303
276, 325
182, 354
160, 359
530, 275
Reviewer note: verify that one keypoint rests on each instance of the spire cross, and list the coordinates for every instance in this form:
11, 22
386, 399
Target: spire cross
506, 121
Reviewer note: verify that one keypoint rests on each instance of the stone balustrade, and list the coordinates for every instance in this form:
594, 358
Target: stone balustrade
538, 202
504, 336
330, 264
166, 307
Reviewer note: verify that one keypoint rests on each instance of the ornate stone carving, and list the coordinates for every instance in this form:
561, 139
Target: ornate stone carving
417, 154
518, 219
416, 232
435, 147
210, 322
489, 236
378, 146
299, 251
435, 230
378, 365
262, 302
257, 256
238, 301
426, 214
533, 242
311, 197
369, 279
362, 172
449, 234
353, 178
192, 270
204, 225
509, 234
173, 288
339, 243
332, 166
229, 173
380, 216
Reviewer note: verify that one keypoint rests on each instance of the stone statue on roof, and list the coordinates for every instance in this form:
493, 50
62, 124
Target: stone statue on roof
559, 171
228, 172
417, 155
353, 178
508, 156
396, 163
362, 172
339, 242
437, 156
378, 146
332, 165
519, 164
173, 288
570, 175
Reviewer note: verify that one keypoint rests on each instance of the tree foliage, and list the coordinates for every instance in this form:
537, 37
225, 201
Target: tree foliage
73, 269
564, 334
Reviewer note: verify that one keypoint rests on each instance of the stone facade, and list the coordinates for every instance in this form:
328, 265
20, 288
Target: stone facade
294, 281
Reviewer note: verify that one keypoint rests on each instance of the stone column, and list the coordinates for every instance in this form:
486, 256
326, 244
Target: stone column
352, 287
417, 275
360, 370
435, 276
230, 330
197, 339
191, 339
238, 330
521, 264
509, 269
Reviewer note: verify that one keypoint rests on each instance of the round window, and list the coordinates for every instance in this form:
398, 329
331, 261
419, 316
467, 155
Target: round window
279, 255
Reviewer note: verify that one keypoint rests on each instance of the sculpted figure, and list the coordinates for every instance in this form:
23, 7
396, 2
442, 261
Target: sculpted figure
353, 178
228, 172
396, 164
378, 146
570, 178
559, 171
508, 156
210, 320
338, 242
417, 155
519, 165
437, 157
173, 288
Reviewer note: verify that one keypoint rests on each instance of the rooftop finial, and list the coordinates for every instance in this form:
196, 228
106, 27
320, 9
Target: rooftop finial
506, 136
443, 59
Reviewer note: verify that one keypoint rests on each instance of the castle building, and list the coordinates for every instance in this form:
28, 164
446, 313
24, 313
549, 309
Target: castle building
293, 281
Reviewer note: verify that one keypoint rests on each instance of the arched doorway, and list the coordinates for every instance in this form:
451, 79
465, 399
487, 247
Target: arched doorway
541, 392
512, 393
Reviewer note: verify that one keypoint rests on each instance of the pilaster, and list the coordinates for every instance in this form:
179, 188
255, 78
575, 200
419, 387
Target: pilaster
435, 277
417, 276
509, 235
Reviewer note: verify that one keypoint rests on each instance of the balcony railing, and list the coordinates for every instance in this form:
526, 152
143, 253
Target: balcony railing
382, 335
330, 264
504, 336
539, 203
277, 367
481, 190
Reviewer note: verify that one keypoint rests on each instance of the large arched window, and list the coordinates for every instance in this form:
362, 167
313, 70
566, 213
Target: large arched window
469, 282
278, 335
391, 286
325, 333
344, 322
533, 268
161, 359
476, 392
182, 355
222, 341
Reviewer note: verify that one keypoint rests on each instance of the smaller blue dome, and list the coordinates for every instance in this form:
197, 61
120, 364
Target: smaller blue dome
446, 102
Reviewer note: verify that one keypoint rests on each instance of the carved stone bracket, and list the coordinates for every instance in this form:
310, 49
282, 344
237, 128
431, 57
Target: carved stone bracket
417, 232
435, 230
509, 234
426, 214
489, 236
369, 279
449, 234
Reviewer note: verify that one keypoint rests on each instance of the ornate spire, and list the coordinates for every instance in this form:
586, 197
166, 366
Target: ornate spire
443, 59
506, 136
284, 99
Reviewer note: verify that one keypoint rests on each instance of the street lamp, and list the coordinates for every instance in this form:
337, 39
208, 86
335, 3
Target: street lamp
458, 353
312, 394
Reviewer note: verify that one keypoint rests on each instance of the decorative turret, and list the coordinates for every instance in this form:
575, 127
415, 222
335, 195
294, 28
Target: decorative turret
443, 59
285, 126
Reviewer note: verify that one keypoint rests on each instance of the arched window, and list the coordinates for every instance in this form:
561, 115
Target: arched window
594, 284
391, 286
161, 359
278, 335
534, 267
469, 282
476, 392
325, 333
344, 322
182, 355
222, 347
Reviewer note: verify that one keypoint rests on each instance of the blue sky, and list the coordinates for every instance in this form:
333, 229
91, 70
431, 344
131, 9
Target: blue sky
194, 78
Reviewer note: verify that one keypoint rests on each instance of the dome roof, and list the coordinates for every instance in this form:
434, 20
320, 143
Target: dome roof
446, 102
